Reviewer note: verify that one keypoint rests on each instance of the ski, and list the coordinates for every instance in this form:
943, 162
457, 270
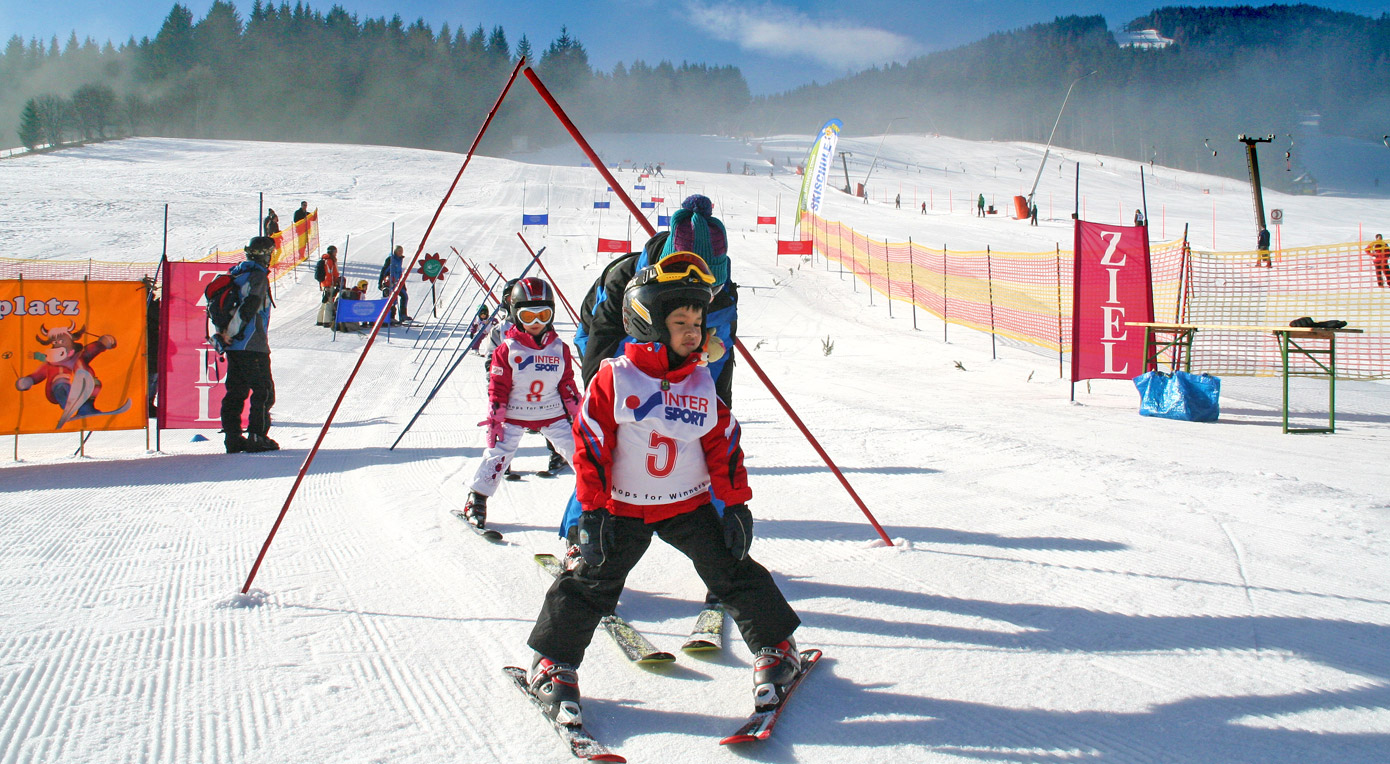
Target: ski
486, 533
760, 723
708, 633
636, 647
581, 743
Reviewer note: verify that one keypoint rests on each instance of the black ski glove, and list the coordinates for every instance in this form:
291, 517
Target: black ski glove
596, 535
738, 530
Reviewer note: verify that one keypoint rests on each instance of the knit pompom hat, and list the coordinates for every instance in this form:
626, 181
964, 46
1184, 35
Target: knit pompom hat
694, 228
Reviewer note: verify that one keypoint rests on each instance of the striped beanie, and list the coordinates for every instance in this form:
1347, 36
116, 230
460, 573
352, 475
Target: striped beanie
694, 228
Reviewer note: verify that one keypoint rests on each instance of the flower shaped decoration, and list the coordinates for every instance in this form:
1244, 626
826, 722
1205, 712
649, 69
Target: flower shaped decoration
433, 267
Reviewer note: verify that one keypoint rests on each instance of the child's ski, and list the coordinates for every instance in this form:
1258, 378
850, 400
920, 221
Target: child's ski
760, 723
636, 647
708, 633
487, 533
581, 743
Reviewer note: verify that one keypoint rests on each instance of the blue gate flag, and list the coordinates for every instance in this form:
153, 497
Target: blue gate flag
648, 205
663, 220
639, 188
535, 219
358, 311
601, 205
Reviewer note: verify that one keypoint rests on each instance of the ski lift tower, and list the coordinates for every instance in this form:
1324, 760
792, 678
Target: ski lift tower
1254, 163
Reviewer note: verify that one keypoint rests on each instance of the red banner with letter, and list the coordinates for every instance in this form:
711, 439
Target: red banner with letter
1110, 288
767, 220
614, 245
191, 378
794, 247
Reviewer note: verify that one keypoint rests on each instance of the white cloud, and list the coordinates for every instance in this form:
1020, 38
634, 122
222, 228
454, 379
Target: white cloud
777, 31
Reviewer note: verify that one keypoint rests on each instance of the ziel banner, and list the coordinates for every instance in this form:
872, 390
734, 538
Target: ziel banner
75, 352
1110, 287
191, 385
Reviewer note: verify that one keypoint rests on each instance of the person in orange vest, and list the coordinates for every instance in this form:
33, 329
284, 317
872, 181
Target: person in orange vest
1379, 251
326, 273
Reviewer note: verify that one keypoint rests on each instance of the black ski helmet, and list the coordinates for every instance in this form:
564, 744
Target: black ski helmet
260, 249
530, 292
648, 298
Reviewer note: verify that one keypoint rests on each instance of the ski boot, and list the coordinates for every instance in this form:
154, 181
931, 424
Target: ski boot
509, 475
556, 686
235, 443
557, 463
256, 444
475, 511
774, 669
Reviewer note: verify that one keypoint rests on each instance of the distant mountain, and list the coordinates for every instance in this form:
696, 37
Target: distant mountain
1228, 71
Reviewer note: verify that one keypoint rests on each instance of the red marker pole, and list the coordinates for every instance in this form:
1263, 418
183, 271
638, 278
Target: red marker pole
651, 231
376, 329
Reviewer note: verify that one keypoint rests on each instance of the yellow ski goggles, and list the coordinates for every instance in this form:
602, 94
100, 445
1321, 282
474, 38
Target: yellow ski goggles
679, 265
534, 315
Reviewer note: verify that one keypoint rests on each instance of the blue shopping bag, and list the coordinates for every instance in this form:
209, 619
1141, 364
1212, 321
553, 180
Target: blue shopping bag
1180, 395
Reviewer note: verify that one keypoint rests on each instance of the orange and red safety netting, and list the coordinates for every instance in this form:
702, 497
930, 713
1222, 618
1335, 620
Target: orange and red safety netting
1027, 296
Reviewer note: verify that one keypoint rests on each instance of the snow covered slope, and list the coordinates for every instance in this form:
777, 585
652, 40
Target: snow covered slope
1069, 582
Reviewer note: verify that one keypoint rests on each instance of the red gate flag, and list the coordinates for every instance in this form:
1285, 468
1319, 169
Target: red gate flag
767, 220
614, 245
658, 199
1110, 287
76, 350
192, 383
794, 247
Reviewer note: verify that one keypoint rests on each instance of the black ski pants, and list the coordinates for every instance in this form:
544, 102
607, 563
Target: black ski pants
580, 598
248, 372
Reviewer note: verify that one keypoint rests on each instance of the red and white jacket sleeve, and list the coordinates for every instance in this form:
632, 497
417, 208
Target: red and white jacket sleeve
724, 455
568, 390
595, 434
499, 380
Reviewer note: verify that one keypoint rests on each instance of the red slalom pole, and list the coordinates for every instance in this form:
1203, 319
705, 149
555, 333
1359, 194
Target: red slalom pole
376, 329
588, 150
814, 443
651, 231
474, 273
573, 316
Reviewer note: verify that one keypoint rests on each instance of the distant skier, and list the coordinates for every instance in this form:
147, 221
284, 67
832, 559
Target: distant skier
650, 428
1379, 251
1262, 250
980, 205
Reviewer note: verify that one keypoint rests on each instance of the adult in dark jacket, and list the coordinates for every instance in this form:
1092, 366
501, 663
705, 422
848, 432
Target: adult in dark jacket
246, 342
271, 225
302, 212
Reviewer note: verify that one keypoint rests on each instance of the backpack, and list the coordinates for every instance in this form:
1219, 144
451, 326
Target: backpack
321, 271
223, 298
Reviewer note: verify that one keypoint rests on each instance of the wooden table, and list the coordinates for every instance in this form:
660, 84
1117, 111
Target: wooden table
1292, 340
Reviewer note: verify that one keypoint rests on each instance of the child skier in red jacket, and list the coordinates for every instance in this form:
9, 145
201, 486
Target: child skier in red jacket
652, 440
530, 387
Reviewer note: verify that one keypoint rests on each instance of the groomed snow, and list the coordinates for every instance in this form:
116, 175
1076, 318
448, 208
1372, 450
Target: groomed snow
1069, 582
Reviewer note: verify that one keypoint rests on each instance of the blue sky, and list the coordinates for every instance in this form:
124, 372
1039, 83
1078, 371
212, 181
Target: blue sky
777, 45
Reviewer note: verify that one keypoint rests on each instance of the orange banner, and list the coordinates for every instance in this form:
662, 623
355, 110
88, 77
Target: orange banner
76, 356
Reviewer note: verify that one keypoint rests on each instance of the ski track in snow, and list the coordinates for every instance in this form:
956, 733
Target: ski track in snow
1069, 582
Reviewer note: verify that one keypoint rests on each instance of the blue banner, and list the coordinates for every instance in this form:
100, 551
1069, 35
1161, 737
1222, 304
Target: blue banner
601, 205
648, 205
359, 311
663, 220
639, 188
535, 219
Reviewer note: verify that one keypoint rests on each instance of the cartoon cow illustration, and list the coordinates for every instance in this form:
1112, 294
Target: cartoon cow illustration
70, 383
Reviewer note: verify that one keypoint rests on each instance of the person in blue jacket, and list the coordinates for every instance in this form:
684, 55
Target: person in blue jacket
392, 271
600, 335
246, 342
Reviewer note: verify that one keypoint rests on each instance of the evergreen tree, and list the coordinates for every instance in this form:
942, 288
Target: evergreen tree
31, 125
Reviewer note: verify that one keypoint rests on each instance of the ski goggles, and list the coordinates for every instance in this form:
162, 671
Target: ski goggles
679, 265
534, 315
